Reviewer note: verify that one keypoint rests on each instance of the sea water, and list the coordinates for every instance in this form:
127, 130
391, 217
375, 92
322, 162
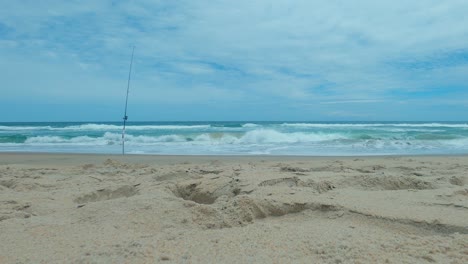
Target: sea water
239, 138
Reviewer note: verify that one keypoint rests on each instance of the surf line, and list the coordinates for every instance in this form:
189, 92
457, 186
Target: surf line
126, 103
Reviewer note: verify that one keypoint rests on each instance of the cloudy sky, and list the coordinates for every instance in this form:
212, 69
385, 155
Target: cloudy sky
234, 60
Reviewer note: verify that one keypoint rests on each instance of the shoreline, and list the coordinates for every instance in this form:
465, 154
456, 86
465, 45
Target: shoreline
6, 157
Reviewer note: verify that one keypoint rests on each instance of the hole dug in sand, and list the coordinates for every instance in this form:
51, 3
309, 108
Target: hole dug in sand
220, 202
207, 190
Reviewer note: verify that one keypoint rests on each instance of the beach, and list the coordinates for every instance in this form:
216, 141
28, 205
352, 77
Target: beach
91, 208
199, 132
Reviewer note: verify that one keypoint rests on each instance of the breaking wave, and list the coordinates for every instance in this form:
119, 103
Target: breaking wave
239, 138
104, 127
251, 137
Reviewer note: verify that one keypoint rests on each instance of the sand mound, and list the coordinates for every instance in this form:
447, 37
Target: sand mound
170, 176
110, 163
287, 168
25, 186
289, 182
14, 209
392, 183
461, 192
107, 194
460, 180
243, 209
10, 184
320, 187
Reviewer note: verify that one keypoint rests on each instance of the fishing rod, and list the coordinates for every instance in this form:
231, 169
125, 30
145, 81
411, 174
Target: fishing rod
126, 102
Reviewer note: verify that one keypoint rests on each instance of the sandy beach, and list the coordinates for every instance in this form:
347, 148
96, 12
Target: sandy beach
64, 208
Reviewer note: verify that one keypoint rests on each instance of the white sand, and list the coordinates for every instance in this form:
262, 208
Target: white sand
179, 209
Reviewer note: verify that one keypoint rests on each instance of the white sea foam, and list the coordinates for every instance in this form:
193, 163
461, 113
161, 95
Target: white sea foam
322, 125
250, 125
403, 130
58, 140
18, 128
457, 143
104, 127
287, 139
273, 136
224, 138
45, 139
90, 127
432, 125
252, 137
116, 138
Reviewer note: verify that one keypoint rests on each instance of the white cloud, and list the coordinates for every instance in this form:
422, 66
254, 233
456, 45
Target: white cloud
352, 102
329, 51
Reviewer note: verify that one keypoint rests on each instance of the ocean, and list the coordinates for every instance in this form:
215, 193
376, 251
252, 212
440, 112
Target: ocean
239, 138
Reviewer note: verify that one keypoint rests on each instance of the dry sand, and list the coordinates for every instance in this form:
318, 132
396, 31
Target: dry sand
179, 209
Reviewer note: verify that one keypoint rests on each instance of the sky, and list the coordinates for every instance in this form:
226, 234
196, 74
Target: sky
304, 60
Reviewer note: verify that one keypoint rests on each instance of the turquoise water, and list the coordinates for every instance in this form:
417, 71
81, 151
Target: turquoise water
239, 138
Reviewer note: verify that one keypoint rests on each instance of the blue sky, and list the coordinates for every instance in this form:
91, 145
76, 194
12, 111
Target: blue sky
234, 60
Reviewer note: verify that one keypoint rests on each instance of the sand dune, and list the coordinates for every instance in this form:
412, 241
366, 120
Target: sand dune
180, 209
